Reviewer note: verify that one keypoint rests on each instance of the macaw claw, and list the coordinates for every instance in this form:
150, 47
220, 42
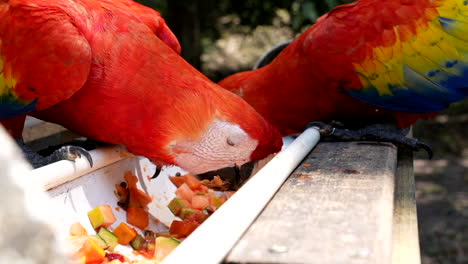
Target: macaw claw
377, 132
64, 153
70, 153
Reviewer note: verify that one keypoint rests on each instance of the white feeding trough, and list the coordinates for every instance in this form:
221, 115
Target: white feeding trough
75, 189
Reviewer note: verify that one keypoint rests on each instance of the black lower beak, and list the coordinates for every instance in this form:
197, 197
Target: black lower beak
236, 176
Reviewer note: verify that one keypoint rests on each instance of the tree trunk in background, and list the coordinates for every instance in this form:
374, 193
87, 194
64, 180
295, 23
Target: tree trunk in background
183, 19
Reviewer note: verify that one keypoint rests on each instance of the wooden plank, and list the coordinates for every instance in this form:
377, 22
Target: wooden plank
405, 220
335, 208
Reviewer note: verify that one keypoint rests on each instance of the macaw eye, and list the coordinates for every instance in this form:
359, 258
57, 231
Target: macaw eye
230, 142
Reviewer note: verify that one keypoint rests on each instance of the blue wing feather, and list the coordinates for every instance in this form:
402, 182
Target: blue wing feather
425, 91
10, 107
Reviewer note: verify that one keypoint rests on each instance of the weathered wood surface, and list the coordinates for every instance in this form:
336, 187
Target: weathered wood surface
405, 222
335, 208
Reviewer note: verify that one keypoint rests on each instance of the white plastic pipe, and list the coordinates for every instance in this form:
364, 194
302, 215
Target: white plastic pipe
60, 172
218, 234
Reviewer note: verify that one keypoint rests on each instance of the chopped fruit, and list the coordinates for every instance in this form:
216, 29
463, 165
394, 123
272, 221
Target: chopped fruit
125, 233
136, 203
184, 192
137, 242
121, 190
115, 261
185, 213
101, 216
139, 197
215, 200
99, 241
200, 201
77, 229
74, 243
209, 210
203, 189
177, 180
164, 246
91, 251
192, 181
217, 184
197, 217
109, 237
115, 256
176, 205
167, 234
183, 228
137, 216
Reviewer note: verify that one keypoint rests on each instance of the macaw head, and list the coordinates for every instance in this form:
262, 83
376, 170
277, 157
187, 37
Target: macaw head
230, 134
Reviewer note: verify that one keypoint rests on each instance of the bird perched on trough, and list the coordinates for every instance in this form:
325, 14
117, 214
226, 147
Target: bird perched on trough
110, 70
369, 61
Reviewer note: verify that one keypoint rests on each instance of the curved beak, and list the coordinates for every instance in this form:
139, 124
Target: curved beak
235, 176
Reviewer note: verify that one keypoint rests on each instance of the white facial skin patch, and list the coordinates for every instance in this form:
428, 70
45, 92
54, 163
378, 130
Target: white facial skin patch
223, 144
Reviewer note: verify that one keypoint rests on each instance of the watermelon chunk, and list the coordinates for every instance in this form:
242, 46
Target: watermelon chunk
200, 201
184, 192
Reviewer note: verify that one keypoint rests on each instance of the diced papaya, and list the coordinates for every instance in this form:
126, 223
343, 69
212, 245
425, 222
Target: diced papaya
121, 192
183, 228
92, 252
192, 181
101, 216
164, 246
139, 197
177, 180
176, 204
130, 179
184, 192
200, 201
125, 233
137, 216
77, 229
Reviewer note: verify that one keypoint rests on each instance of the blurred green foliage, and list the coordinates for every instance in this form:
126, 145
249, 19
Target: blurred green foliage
254, 12
196, 22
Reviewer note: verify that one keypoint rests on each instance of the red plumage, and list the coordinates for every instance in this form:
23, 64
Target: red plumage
110, 71
339, 69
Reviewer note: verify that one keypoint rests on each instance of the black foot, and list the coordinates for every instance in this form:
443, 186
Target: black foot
70, 153
64, 153
378, 132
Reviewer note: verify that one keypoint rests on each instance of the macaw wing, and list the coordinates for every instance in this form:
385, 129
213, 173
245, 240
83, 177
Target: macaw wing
44, 59
150, 18
424, 68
